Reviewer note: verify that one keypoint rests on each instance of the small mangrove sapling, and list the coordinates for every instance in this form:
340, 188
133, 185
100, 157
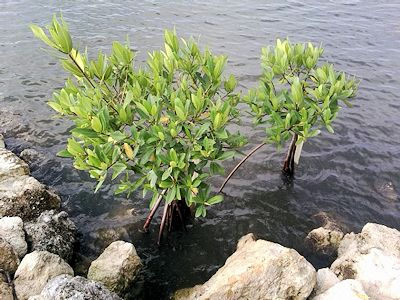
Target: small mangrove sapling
296, 97
161, 128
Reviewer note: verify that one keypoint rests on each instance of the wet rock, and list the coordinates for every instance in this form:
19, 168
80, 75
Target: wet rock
68, 287
258, 270
9, 260
11, 165
5, 290
386, 189
35, 270
12, 230
25, 197
31, 157
373, 258
53, 232
348, 289
325, 280
325, 239
117, 267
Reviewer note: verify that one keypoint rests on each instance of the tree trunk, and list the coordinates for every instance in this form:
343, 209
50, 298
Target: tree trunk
174, 216
288, 165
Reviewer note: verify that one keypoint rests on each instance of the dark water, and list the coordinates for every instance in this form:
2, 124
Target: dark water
353, 175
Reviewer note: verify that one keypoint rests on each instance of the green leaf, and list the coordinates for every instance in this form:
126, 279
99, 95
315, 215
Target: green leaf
226, 155
170, 195
216, 169
214, 200
96, 124
166, 174
118, 169
64, 153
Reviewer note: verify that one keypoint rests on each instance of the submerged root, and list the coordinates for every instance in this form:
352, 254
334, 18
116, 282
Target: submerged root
173, 217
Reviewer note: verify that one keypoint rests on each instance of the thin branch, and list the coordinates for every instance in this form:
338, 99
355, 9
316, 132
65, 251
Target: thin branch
80, 69
152, 212
162, 223
238, 166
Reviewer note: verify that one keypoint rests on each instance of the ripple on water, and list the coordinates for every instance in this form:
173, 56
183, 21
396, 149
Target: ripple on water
352, 174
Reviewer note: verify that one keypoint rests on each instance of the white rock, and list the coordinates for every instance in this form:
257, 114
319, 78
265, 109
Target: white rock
11, 165
373, 258
371, 236
12, 230
258, 270
116, 267
349, 289
25, 197
35, 270
325, 280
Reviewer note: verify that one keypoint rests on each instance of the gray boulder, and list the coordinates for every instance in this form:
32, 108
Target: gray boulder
53, 232
35, 270
12, 230
117, 267
258, 270
373, 258
25, 197
65, 287
9, 260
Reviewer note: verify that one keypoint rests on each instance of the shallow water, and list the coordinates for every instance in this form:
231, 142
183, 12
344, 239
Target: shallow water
353, 175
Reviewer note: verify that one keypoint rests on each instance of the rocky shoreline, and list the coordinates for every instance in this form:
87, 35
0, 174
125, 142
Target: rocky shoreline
37, 242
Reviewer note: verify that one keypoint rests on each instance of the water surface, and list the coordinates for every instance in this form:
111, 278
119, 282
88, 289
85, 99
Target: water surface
352, 175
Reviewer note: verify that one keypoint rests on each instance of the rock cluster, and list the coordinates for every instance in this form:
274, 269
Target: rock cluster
367, 267
30, 223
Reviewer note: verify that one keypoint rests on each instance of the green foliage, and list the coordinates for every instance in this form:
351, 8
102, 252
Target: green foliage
161, 128
295, 95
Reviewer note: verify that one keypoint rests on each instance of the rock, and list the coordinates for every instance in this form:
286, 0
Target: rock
325, 280
258, 270
31, 156
371, 236
9, 260
2, 144
378, 272
117, 267
5, 291
12, 230
373, 258
325, 239
11, 165
349, 289
25, 197
35, 270
68, 287
248, 238
53, 232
